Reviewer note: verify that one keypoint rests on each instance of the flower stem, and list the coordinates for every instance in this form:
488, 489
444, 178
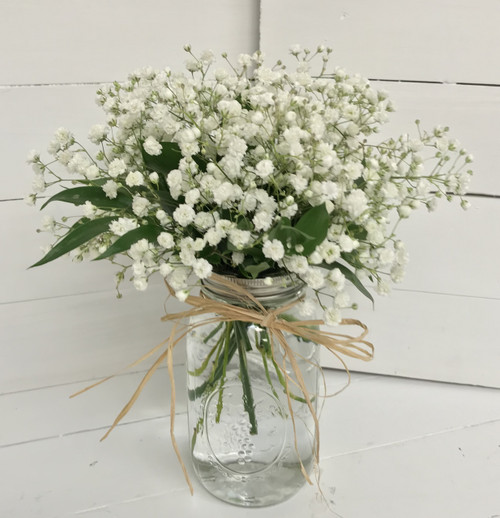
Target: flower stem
248, 401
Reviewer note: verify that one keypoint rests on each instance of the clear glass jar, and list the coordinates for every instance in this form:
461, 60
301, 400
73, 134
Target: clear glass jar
244, 447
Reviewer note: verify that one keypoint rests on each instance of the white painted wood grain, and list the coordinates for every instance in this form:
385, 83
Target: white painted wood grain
454, 475
48, 412
454, 251
22, 245
64, 475
452, 41
432, 336
30, 116
90, 40
74, 338
450, 475
391, 447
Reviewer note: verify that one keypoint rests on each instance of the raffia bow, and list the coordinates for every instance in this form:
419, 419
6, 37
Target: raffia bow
247, 309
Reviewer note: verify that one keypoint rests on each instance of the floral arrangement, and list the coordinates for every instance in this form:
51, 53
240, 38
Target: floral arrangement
247, 170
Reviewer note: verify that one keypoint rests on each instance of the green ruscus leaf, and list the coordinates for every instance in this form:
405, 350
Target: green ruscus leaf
77, 236
314, 223
79, 195
351, 277
166, 161
123, 243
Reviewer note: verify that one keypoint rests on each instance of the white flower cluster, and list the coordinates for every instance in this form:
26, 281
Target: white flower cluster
211, 164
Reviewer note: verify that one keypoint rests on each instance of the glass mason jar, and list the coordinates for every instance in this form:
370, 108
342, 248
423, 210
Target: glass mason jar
245, 447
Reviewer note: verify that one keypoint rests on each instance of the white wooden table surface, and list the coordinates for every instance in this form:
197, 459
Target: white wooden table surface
391, 447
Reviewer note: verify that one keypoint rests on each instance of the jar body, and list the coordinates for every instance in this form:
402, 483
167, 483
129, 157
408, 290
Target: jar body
246, 448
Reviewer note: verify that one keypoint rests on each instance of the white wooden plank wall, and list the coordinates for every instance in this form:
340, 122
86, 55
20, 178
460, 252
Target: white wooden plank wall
439, 61
62, 323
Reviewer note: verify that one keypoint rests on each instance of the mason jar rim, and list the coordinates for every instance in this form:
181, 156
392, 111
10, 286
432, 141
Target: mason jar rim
283, 287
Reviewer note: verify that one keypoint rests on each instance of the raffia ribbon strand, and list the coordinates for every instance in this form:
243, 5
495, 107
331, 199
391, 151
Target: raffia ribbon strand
254, 313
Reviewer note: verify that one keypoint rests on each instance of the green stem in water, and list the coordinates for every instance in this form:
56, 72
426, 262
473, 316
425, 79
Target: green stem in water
223, 376
248, 401
219, 367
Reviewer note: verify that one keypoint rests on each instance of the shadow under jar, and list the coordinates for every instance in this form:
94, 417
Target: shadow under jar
246, 448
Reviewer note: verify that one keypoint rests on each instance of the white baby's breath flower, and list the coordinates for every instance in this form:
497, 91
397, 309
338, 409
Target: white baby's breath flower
202, 268
262, 220
273, 249
229, 108
122, 226
192, 196
166, 240
226, 192
111, 189
134, 178
140, 206
116, 167
92, 172
138, 250
315, 278
237, 258
140, 283
30, 200
337, 280
182, 295
162, 216
307, 308
152, 146
264, 168
383, 288
356, 203
404, 211
48, 223
184, 215
297, 264
239, 238
347, 243
204, 220
33, 157
89, 210
98, 133
154, 177
38, 184
214, 236
332, 317
139, 269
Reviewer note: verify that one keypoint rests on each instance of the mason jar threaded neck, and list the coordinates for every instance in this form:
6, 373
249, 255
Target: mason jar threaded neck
283, 289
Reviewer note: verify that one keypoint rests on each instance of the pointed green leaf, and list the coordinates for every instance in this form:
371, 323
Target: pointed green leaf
123, 243
76, 237
351, 277
314, 223
79, 195
167, 203
166, 161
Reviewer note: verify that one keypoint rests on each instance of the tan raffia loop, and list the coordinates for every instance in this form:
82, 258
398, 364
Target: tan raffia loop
253, 312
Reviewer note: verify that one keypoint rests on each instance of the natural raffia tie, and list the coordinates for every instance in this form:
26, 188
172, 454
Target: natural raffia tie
255, 313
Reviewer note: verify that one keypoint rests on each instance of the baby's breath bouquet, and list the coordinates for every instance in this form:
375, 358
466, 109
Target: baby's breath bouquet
249, 171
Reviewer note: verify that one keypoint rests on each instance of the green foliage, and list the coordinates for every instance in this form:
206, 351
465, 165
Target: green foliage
309, 232
351, 277
77, 236
94, 194
123, 243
